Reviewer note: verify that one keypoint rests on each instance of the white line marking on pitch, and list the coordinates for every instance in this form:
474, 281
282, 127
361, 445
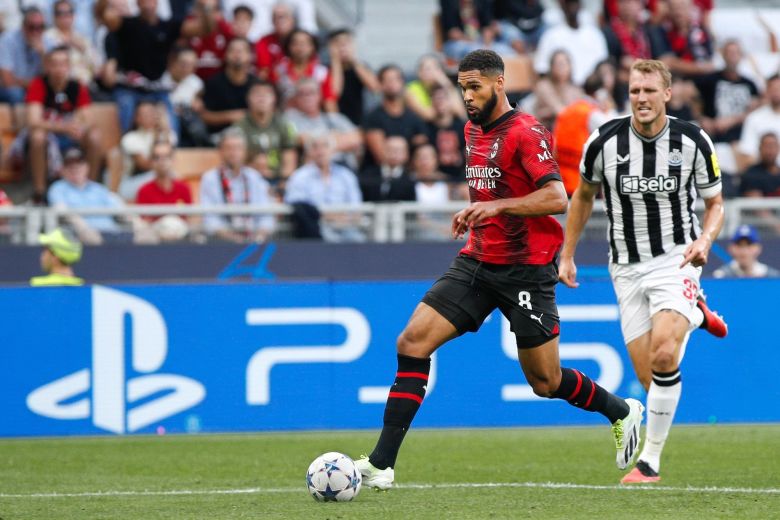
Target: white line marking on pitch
462, 485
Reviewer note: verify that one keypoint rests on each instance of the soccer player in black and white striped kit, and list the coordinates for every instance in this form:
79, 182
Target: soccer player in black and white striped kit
652, 168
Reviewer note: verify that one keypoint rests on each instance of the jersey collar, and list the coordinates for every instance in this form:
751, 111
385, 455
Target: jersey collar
503, 117
649, 139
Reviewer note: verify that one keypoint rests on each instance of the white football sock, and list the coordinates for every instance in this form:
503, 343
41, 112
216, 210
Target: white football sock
683, 346
661, 405
696, 318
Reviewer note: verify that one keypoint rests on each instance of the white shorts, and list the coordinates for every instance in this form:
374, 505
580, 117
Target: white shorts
644, 288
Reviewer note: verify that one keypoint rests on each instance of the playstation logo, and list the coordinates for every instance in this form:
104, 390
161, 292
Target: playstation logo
106, 392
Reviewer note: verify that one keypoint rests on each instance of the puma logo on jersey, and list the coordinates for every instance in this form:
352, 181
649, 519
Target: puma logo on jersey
537, 318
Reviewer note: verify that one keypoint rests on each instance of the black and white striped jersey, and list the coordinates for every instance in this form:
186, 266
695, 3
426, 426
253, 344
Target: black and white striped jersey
650, 185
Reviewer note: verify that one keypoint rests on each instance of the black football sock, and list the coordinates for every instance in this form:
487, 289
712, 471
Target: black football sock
403, 401
581, 391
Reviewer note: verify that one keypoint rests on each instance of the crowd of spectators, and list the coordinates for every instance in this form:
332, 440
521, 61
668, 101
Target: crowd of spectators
298, 117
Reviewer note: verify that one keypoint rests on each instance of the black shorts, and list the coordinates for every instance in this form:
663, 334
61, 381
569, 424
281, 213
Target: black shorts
470, 290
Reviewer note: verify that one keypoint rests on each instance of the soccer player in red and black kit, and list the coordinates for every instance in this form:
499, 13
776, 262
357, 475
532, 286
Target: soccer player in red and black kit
509, 263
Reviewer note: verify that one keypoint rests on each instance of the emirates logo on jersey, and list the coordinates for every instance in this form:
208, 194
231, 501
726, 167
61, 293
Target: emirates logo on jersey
482, 177
482, 172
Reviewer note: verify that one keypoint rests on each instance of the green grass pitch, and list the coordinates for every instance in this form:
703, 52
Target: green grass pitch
709, 472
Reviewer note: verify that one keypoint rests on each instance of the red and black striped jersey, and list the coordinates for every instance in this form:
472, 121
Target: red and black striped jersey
509, 158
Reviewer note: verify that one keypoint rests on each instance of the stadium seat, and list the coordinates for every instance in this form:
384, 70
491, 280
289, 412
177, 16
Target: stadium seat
194, 184
6, 118
7, 134
105, 116
193, 162
518, 74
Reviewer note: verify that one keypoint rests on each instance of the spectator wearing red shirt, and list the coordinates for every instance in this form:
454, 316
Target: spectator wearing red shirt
628, 38
164, 188
56, 111
658, 10
269, 49
210, 48
300, 61
690, 44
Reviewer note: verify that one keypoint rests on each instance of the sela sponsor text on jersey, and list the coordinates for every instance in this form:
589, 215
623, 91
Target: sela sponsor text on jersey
661, 184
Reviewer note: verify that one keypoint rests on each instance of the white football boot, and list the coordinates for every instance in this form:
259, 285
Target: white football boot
374, 477
627, 435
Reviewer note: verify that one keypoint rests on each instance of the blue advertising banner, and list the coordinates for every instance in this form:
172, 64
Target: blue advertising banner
290, 261
276, 356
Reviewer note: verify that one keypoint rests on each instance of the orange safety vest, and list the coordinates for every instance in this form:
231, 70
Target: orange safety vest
570, 134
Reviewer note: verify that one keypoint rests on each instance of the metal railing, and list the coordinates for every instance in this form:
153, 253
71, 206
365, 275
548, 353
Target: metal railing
384, 222
332, 14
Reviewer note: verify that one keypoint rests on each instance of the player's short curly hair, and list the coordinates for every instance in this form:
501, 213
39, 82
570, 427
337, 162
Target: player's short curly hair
651, 66
487, 62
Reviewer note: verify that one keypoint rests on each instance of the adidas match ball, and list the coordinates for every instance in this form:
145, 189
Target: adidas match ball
333, 477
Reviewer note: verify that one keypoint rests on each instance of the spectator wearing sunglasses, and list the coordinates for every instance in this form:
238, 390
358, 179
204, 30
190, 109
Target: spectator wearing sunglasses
21, 56
83, 56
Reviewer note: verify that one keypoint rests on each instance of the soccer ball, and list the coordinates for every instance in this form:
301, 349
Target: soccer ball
333, 477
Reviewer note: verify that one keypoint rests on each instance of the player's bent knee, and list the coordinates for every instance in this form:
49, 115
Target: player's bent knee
412, 344
543, 386
543, 389
663, 360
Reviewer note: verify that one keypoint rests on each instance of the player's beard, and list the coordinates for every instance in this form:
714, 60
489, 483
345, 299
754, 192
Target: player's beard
482, 115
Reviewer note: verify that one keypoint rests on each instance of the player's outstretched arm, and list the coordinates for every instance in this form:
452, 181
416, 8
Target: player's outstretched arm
550, 199
579, 212
697, 252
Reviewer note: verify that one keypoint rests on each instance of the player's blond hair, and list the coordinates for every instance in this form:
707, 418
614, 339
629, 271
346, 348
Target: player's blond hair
652, 66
